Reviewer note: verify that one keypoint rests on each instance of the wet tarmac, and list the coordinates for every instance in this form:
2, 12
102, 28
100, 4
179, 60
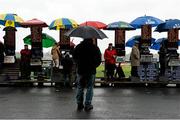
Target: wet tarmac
109, 103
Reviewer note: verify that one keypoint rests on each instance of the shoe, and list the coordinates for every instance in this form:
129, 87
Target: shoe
57, 90
88, 107
80, 107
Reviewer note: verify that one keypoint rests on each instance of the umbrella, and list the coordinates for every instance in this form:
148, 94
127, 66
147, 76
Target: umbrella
156, 45
86, 32
96, 24
168, 24
34, 22
145, 20
132, 40
63, 23
120, 25
47, 41
10, 20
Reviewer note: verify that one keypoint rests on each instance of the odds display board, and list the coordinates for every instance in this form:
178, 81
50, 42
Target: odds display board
146, 35
36, 37
120, 42
64, 40
9, 40
173, 36
36, 34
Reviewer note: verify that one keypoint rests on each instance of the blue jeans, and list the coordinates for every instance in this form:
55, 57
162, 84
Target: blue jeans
82, 82
67, 79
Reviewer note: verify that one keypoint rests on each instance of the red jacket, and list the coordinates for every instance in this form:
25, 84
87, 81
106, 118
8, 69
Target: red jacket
109, 56
25, 55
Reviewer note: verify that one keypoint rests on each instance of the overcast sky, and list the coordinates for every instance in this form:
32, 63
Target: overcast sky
106, 11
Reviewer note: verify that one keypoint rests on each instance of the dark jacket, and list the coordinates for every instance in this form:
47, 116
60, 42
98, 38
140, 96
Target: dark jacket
67, 64
87, 56
1, 52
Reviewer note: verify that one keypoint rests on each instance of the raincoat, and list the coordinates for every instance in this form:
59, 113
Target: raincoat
55, 52
135, 56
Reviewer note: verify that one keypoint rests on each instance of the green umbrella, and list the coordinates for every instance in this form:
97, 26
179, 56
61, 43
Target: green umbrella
47, 40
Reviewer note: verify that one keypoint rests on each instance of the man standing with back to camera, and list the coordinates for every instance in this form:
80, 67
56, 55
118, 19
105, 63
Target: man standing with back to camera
135, 59
87, 56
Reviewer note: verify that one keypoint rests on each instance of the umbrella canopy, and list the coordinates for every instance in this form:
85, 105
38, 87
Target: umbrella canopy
120, 25
96, 24
47, 40
156, 45
167, 25
63, 23
86, 32
131, 41
10, 20
145, 20
34, 22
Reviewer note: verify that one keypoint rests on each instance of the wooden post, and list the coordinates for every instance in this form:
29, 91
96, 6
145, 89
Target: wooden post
64, 40
146, 35
173, 37
10, 41
36, 37
120, 42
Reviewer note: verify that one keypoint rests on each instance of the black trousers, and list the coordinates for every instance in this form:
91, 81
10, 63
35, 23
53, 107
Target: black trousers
134, 71
119, 72
162, 68
110, 70
25, 70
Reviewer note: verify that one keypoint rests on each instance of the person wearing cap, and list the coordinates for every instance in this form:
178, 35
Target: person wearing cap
25, 62
110, 61
135, 59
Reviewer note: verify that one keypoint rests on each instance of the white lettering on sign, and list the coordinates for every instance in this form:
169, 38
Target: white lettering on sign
176, 26
149, 21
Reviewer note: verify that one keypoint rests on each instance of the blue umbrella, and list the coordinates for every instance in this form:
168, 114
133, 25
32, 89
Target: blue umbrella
146, 20
156, 45
168, 24
132, 40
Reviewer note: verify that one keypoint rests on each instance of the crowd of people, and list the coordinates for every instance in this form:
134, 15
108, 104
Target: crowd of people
86, 56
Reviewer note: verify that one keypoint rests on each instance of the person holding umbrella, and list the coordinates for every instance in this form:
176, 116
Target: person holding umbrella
162, 58
87, 56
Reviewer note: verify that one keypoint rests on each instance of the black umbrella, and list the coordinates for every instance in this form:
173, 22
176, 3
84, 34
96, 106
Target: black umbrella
86, 32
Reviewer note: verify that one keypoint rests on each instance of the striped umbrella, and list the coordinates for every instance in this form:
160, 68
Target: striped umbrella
10, 20
63, 23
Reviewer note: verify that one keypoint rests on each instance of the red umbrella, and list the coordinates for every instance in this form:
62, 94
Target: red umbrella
34, 22
96, 24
